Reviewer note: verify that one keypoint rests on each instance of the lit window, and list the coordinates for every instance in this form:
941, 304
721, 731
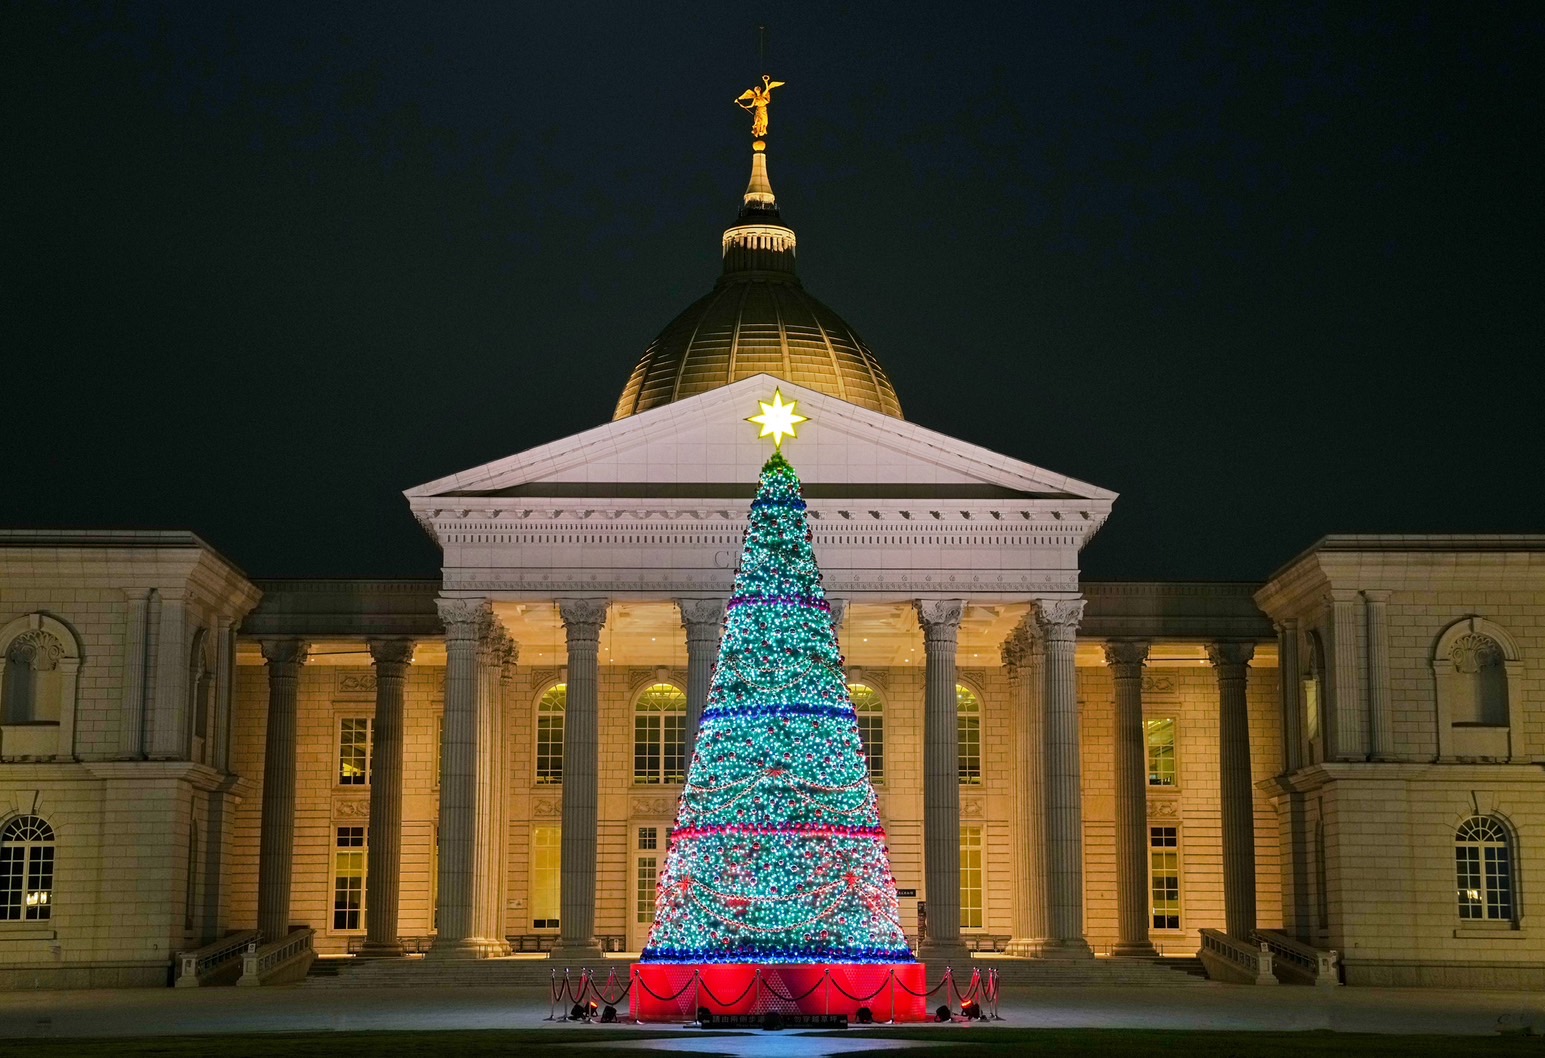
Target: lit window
660, 735
648, 838
354, 751
1161, 752
546, 858
1164, 876
26, 869
871, 728
1483, 869
971, 877
549, 734
969, 723
349, 879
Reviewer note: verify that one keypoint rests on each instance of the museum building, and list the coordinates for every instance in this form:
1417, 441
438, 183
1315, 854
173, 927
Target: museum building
1334, 774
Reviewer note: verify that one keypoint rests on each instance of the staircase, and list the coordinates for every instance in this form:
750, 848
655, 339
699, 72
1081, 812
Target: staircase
1100, 972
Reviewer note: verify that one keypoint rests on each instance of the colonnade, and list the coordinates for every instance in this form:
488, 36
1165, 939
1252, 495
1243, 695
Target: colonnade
1038, 659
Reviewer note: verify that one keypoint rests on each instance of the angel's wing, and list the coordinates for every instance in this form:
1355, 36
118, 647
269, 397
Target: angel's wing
744, 95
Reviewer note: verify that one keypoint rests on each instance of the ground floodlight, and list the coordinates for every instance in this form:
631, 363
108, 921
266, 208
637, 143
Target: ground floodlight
865, 1016
704, 1015
943, 1013
608, 1014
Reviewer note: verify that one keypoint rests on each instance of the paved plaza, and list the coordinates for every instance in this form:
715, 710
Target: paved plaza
220, 1011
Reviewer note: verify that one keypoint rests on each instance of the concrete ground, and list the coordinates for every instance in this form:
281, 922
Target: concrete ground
213, 1011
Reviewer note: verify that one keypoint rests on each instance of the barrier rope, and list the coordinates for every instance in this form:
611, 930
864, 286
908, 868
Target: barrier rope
755, 978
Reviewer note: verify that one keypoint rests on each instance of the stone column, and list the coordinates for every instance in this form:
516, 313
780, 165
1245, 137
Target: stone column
507, 698
487, 914
1349, 721
1381, 719
1023, 659
1058, 622
582, 620
702, 620
1288, 666
383, 876
468, 625
940, 620
1126, 660
276, 844
1236, 792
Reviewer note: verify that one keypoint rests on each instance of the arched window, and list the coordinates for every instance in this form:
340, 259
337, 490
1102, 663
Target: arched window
1478, 673
549, 734
969, 735
201, 696
871, 727
1483, 870
660, 735
40, 659
26, 869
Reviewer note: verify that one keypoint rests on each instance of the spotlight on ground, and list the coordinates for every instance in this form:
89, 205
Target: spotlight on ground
704, 1016
943, 1013
576, 1013
971, 1009
865, 1016
608, 1014
772, 1021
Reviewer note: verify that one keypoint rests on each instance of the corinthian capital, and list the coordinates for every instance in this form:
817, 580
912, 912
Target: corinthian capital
1058, 620
1013, 651
391, 656
285, 652
583, 619
940, 619
701, 617
465, 619
1126, 656
1230, 658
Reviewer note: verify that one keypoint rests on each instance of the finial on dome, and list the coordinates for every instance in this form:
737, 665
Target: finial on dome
755, 100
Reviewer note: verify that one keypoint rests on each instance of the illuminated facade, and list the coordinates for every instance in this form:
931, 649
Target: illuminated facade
1345, 757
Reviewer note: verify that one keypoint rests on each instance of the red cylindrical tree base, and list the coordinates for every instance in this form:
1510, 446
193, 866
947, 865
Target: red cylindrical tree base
676, 991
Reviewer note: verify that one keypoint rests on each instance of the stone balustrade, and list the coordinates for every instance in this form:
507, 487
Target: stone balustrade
279, 961
1300, 962
1238, 961
215, 961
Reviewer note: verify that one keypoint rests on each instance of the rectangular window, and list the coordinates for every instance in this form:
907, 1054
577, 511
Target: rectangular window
349, 879
971, 877
969, 728
644, 883
1164, 876
549, 748
648, 838
439, 748
1161, 751
659, 747
546, 857
871, 734
354, 751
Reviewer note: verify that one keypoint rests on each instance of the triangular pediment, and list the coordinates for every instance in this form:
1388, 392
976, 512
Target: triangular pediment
703, 448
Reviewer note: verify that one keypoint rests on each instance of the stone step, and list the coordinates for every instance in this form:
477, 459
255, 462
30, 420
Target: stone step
538, 973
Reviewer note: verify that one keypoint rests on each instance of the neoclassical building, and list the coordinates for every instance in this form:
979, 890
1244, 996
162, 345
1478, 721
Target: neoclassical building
1343, 758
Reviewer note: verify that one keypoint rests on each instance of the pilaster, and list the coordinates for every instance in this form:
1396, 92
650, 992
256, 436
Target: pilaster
1381, 720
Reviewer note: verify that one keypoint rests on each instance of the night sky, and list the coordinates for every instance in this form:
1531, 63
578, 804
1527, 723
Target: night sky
1268, 272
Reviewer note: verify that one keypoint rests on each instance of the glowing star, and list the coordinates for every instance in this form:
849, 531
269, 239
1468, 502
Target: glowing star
778, 418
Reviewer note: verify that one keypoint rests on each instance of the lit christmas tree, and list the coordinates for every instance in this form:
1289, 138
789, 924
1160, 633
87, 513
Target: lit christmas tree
777, 855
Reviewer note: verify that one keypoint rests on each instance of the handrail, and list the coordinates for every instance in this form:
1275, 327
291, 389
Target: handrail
197, 965
1248, 959
1319, 965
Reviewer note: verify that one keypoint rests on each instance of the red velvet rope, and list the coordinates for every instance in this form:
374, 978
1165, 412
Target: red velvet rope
754, 979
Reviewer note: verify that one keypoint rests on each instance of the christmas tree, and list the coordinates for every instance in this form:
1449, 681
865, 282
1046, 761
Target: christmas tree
777, 855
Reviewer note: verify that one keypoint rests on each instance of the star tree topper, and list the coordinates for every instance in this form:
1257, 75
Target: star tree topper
778, 418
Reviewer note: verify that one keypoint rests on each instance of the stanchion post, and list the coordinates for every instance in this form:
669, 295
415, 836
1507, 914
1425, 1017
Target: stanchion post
697, 993
893, 994
827, 974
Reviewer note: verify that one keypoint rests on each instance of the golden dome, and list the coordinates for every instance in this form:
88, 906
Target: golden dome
758, 319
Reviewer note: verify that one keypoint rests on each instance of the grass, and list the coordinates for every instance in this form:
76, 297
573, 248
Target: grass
954, 1041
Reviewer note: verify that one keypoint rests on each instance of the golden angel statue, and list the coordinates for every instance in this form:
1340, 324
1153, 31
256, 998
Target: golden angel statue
755, 100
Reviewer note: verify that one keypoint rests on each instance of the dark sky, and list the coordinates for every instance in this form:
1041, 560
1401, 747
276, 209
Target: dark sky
1268, 271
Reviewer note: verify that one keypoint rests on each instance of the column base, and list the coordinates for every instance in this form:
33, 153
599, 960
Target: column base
940, 954
577, 954
465, 948
1070, 949
1140, 949
385, 949
1025, 947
